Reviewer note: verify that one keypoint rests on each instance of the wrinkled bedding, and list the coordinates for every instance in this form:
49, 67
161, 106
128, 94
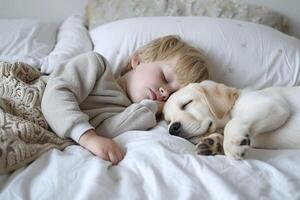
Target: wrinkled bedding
156, 166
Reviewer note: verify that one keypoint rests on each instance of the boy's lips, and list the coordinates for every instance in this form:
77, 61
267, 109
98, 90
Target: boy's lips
152, 95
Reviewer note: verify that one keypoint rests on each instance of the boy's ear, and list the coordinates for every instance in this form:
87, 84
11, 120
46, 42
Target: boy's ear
135, 60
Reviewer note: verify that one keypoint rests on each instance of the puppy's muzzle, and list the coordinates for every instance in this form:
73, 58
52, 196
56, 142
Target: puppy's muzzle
175, 128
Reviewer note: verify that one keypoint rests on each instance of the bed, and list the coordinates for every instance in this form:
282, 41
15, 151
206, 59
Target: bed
252, 49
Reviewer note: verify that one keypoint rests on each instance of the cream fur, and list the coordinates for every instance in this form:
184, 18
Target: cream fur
268, 118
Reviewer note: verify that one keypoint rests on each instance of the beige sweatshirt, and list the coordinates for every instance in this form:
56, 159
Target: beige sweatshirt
83, 94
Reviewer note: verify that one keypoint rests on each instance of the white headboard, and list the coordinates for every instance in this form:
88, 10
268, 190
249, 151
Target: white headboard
288, 8
58, 10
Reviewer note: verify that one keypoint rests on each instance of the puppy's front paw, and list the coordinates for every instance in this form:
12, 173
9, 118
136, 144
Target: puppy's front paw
236, 146
210, 145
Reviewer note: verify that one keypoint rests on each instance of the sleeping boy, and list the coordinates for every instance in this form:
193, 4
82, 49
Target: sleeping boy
83, 100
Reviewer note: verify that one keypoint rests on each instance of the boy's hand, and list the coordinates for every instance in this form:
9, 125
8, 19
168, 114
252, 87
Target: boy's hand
160, 106
103, 147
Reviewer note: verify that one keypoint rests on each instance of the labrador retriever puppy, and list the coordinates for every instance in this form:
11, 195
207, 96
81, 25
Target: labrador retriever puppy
267, 118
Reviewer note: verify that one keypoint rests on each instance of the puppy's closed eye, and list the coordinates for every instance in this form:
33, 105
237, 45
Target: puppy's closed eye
183, 106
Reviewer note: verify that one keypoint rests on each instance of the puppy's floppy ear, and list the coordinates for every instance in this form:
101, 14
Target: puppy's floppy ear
219, 97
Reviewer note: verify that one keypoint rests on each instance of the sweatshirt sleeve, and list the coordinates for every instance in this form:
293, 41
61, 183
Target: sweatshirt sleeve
67, 87
137, 116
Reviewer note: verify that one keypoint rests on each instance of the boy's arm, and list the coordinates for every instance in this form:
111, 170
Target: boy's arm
67, 87
135, 117
138, 116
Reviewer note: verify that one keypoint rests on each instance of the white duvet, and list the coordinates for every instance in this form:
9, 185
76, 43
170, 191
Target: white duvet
156, 166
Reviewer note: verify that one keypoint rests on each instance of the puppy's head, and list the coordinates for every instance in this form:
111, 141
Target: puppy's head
199, 108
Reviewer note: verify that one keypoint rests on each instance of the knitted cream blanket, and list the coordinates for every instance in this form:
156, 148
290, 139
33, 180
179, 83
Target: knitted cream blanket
24, 133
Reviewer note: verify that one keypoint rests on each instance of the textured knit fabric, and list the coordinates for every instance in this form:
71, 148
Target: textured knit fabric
24, 133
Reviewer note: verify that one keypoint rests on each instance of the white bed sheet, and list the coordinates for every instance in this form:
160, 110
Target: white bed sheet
26, 40
156, 166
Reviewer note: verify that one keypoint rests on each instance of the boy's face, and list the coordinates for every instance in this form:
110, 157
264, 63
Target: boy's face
154, 80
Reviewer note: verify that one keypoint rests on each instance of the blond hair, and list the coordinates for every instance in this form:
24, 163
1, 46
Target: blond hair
191, 65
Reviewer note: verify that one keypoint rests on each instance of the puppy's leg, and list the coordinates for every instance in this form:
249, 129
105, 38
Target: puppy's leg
236, 139
259, 117
210, 145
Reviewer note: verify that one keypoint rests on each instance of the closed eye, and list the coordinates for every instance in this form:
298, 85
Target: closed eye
164, 77
183, 106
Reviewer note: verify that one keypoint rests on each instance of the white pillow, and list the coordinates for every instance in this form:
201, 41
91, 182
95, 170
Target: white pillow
26, 40
72, 39
242, 54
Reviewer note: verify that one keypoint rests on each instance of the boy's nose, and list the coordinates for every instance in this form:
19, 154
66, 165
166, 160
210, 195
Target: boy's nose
164, 92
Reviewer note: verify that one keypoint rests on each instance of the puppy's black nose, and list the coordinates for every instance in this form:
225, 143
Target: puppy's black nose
175, 128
